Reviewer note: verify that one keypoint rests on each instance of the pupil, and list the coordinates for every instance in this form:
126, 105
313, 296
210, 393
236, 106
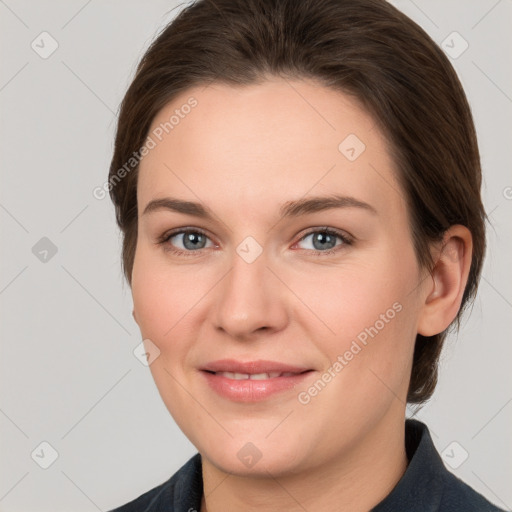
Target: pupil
321, 239
193, 240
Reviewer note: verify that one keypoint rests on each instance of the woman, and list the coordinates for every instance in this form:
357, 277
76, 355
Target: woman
298, 188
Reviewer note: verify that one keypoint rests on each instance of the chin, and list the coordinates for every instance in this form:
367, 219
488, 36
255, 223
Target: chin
255, 459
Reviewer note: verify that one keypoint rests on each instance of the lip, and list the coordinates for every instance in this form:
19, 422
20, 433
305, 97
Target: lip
248, 390
251, 367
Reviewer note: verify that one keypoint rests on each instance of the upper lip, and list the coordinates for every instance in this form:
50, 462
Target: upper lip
251, 367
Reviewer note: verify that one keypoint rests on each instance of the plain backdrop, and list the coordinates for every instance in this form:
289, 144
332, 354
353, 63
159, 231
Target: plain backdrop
69, 378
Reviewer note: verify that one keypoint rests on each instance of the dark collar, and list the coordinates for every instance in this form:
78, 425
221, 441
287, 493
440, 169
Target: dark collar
421, 486
426, 486
418, 485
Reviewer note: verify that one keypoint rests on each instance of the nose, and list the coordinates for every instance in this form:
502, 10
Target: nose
250, 300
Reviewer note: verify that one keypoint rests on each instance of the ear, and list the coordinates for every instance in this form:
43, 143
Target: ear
134, 316
447, 282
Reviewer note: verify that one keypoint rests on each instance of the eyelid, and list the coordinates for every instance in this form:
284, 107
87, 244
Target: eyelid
164, 240
346, 238
184, 229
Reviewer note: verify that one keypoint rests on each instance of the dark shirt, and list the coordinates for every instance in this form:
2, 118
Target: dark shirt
426, 486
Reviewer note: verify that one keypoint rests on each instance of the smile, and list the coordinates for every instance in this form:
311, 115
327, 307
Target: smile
254, 376
252, 381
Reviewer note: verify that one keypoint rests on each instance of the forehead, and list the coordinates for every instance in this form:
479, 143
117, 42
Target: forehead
277, 140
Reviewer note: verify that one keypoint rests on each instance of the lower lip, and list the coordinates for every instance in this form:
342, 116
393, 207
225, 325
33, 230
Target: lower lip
247, 390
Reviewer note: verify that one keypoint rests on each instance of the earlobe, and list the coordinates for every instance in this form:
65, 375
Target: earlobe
448, 277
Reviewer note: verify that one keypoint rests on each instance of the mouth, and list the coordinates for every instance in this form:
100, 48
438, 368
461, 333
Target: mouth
252, 381
254, 376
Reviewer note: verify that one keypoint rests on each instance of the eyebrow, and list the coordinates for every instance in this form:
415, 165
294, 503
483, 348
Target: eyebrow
289, 209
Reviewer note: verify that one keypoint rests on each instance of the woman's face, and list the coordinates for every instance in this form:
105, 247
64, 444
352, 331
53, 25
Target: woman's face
282, 269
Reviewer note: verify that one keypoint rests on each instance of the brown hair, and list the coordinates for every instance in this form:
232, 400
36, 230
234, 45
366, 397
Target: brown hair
365, 48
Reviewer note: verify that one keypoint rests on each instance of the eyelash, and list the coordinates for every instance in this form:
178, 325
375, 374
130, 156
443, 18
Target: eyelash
346, 240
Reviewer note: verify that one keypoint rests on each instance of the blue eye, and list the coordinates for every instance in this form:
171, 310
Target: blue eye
321, 241
325, 241
187, 241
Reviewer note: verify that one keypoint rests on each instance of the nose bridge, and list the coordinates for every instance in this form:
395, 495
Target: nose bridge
249, 297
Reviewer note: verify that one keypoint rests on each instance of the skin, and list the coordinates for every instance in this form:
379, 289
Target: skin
242, 153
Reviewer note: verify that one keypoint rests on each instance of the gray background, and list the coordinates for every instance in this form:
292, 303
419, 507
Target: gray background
68, 373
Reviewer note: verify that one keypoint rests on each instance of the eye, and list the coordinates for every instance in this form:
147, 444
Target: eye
324, 240
186, 241
321, 241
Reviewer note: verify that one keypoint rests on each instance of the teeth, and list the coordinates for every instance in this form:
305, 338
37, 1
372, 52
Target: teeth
254, 376
261, 376
235, 376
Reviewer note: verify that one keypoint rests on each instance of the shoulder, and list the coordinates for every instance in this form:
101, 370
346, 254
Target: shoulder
183, 491
451, 493
457, 495
427, 485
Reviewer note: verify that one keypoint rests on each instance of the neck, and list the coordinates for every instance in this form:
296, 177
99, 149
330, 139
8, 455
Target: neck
355, 480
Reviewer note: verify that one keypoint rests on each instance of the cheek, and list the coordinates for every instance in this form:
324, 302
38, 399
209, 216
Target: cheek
164, 301
355, 296
366, 314
163, 297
